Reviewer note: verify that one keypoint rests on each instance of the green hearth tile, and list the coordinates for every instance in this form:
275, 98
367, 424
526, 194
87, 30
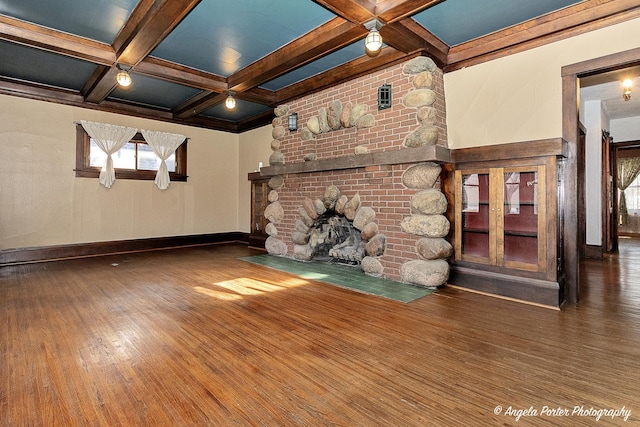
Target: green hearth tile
343, 276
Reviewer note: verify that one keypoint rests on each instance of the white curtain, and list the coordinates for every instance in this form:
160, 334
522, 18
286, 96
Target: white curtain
110, 138
163, 145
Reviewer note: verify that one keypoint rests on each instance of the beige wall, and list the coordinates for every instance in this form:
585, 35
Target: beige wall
519, 97
43, 203
255, 147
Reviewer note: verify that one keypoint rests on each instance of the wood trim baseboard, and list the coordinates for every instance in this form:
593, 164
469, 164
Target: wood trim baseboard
83, 250
540, 292
593, 252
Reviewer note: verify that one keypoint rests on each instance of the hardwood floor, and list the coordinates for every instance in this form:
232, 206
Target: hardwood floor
197, 337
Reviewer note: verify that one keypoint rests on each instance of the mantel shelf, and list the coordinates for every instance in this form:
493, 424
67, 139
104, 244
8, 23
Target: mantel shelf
433, 153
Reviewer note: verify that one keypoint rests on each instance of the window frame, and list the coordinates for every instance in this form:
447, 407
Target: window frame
83, 159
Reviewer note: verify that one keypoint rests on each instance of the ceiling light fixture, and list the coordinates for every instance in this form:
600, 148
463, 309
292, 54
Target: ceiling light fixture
123, 78
626, 92
373, 41
230, 102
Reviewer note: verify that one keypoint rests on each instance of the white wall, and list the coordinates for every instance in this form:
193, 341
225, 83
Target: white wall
627, 129
42, 202
519, 97
594, 121
255, 147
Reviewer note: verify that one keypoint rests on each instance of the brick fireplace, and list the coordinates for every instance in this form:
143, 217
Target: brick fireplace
376, 158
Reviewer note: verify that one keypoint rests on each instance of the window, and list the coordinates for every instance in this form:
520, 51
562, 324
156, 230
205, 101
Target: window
136, 160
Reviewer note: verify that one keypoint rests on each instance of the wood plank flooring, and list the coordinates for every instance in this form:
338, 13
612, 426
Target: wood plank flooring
196, 337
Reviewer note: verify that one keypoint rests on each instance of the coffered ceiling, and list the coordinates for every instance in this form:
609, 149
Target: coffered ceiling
185, 56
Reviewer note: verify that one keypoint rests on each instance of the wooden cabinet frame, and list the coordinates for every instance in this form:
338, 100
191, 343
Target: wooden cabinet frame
531, 278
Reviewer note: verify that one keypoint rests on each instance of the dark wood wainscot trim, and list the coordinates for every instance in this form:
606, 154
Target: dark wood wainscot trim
83, 250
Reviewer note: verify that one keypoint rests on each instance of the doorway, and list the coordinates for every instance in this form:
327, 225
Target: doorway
574, 216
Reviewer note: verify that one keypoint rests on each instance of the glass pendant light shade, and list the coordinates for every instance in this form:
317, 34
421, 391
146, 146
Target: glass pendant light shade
123, 78
373, 42
230, 102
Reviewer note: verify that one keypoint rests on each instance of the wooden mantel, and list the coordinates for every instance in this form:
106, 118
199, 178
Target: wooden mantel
433, 153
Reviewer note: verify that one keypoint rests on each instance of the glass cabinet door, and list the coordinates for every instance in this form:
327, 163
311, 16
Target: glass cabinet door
522, 218
475, 220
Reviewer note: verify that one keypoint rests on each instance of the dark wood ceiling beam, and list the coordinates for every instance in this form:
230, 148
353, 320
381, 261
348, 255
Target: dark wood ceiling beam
407, 36
150, 22
180, 74
317, 43
148, 25
198, 103
356, 11
36, 36
353, 69
573, 20
100, 84
390, 11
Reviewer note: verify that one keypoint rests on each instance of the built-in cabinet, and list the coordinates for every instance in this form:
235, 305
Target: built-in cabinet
501, 217
505, 221
259, 201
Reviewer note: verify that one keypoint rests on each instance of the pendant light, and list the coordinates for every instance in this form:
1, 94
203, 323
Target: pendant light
373, 41
230, 102
123, 78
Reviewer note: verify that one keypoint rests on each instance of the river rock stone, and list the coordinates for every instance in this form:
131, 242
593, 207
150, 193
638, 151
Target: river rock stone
278, 132
369, 230
422, 137
419, 64
306, 134
309, 208
366, 121
299, 238
313, 124
372, 266
361, 149
300, 226
275, 246
302, 252
423, 80
429, 202
271, 229
304, 216
357, 111
427, 115
345, 116
422, 175
331, 196
276, 122
426, 225
434, 248
319, 205
376, 246
273, 196
322, 120
341, 203
419, 98
275, 145
333, 114
274, 213
276, 158
310, 157
352, 207
427, 273
276, 182
281, 110
364, 216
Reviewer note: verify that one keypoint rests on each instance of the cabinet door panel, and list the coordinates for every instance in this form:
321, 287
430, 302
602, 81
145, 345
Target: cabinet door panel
522, 218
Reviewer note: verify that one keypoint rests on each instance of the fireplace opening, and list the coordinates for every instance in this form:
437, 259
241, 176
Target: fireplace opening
334, 239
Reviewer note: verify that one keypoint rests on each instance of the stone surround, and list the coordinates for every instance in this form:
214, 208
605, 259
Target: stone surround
397, 209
